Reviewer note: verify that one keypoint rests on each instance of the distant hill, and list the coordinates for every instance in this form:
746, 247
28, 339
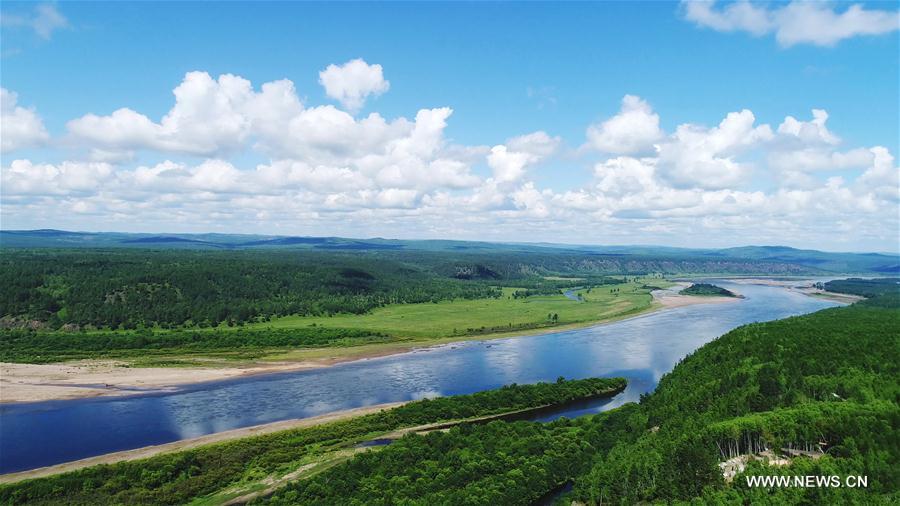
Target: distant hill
665, 259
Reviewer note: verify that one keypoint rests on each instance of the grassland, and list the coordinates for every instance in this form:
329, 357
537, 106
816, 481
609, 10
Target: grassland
485, 316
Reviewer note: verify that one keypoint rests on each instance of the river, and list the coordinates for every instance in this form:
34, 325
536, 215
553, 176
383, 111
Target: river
641, 349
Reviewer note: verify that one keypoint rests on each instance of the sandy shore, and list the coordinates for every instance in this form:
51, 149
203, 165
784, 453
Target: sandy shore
96, 378
149, 451
803, 286
671, 298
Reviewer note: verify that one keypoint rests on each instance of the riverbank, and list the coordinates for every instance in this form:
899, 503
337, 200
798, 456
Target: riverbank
807, 288
186, 444
20, 383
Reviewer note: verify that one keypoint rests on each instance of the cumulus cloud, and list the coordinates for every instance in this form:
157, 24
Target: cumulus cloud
508, 162
19, 126
634, 129
317, 169
353, 82
799, 22
210, 116
706, 157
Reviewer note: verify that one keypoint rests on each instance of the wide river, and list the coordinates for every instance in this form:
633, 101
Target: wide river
641, 349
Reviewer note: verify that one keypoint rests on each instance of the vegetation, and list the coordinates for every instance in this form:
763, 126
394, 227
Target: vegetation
506, 313
868, 288
707, 290
808, 383
812, 383
131, 289
29, 346
768, 260
143, 305
178, 478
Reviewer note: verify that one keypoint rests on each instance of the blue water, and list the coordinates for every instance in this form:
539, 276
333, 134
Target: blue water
641, 349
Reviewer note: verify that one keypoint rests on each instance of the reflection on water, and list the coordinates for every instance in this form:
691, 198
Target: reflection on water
641, 349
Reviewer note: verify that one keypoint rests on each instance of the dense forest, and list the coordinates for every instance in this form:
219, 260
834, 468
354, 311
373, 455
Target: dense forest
131, 289
869, 288
706, 289
177, 478
37, 347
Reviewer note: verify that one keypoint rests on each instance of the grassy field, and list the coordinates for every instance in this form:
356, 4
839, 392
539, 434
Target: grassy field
486, 316
382, 331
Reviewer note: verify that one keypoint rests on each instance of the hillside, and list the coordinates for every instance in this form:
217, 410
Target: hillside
777, 260
809, 383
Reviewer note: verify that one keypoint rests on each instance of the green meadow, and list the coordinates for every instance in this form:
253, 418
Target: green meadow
465, 317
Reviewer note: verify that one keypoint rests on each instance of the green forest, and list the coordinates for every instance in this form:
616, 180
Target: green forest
706, 289
128, 289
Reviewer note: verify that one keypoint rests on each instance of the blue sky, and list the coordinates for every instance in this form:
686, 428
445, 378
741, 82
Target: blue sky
505, 69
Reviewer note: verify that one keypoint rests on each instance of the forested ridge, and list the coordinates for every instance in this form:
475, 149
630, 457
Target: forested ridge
177, 478
129, 288
824, 383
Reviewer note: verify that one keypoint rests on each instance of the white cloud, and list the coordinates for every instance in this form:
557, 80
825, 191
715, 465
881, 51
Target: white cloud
813, 131
19, 127
210, 116
508, 165
883, 177
812, 159
44, 20
324, 171
353, 82
23, 177
696, 156
219, 117
816, 23
799, 22
508, 162
634, 129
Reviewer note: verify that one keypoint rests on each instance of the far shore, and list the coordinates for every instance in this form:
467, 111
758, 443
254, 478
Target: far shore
22, 383
185, 444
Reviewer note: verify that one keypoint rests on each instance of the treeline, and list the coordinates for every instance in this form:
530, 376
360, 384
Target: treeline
706, 289
181, 477
133, 289
129, 289
36, 347
825, 383
864, 287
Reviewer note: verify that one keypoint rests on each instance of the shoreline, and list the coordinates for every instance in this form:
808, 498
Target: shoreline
96, 378
186, 444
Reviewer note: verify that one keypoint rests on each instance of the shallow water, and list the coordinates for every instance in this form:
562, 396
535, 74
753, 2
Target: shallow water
641, 349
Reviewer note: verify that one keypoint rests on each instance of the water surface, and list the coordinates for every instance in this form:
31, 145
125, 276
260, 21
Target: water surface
641, 349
